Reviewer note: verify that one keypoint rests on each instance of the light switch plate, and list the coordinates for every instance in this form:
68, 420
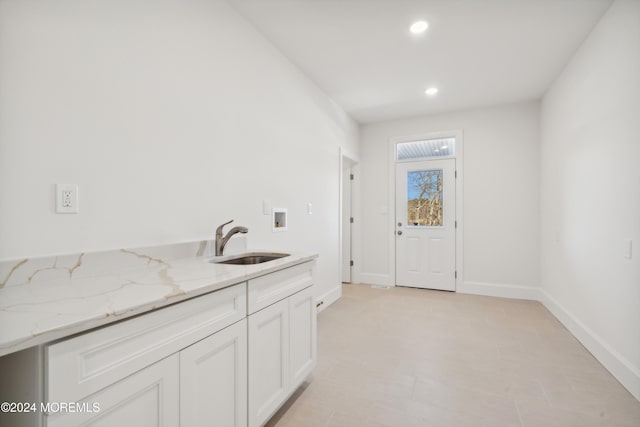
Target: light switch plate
628, 249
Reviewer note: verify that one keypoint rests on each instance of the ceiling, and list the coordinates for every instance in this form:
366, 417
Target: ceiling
477, 52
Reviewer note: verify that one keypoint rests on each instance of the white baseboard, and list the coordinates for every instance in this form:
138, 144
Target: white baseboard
500, 290
375, 279
621, 368
328, 298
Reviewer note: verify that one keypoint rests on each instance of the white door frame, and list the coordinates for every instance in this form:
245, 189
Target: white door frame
458, 135
346, 157
347, 213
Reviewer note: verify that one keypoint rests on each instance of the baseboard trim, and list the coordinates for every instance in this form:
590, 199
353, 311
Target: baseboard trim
500, 290
375, 279
623, 370
328, 298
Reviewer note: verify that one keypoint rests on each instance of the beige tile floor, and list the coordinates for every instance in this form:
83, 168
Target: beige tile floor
405, 357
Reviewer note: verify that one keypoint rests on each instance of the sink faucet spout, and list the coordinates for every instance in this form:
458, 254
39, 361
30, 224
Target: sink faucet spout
221, 240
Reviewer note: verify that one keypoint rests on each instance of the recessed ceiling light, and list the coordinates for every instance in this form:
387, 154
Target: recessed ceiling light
436, 150
419, 27
431, 91
444, 147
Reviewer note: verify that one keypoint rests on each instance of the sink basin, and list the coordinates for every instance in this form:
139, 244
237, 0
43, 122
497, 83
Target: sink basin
249, 259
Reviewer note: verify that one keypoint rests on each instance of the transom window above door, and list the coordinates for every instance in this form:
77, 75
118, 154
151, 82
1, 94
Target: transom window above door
425, 149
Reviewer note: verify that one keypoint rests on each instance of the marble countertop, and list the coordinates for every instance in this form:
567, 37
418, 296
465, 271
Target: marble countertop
40, 312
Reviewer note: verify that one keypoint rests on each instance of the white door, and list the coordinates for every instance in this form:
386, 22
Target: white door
302, 339
346, 224
268, 361
425, 224
213, 380
148, 398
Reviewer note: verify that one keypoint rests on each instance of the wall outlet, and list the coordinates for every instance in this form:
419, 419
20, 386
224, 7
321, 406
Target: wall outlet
67, 198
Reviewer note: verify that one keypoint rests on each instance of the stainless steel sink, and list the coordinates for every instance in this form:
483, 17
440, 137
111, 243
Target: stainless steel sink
249, 259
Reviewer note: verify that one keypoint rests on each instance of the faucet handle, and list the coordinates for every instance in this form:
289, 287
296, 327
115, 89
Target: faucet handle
219, 229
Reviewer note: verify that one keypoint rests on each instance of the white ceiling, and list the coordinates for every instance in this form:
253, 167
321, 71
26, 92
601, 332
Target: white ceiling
477, 52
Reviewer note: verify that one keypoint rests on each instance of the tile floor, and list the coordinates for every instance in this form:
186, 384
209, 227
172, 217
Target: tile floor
403, 357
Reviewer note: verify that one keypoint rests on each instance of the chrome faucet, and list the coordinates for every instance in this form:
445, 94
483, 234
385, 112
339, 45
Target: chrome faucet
222, 241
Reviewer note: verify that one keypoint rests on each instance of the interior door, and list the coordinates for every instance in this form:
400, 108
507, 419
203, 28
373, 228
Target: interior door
346, 224
425, 224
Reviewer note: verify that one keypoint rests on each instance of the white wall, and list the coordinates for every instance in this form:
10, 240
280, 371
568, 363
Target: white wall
590, 186
501, 203
172, 117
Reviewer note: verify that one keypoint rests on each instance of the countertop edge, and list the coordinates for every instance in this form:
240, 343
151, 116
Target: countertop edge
245, 273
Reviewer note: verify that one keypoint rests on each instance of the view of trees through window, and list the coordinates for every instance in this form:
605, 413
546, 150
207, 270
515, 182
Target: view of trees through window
424, 194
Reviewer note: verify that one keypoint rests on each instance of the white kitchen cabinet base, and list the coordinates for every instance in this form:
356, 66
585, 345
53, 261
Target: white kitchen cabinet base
188, 364
302, 321
282, 353
148, 398
89, 362
268, 361
213, 385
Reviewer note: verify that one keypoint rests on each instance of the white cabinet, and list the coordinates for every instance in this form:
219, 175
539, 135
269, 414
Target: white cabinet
230, 358
204, 385
282, 348
302, 335
148, 398
268, 361
80, 366
213, 380
137, 369
265, 290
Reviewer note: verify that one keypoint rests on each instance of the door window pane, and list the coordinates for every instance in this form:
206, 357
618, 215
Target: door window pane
424, 198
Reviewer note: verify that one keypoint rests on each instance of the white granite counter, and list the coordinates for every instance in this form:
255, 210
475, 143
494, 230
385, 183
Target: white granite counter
68, 297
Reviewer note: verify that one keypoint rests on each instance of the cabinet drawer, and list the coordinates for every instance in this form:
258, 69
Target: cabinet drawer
87, 363
266, 290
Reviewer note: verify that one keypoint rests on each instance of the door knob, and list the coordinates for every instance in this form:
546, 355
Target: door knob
399, 232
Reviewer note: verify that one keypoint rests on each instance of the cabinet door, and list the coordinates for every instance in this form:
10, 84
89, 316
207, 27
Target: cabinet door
148, 398
213, 380
302, 340
268, 361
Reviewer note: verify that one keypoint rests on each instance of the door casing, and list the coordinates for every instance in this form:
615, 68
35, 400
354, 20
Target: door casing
459, 156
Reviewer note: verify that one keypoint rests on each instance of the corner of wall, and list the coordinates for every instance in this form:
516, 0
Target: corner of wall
622, 369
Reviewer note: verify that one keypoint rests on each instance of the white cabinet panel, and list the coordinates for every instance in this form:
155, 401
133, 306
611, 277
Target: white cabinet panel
302, 341
268, 361
148, 398
282, 340
273, 287
213, 380
87, 363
